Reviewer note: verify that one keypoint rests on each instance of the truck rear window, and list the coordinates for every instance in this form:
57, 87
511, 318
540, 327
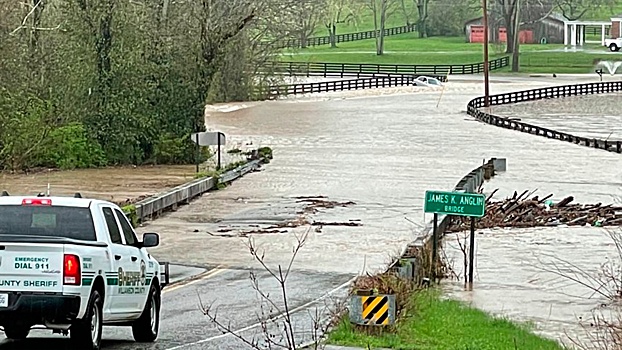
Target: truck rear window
48, 221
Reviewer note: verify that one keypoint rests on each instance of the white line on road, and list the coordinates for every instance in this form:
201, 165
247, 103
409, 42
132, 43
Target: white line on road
209, 274
301, 307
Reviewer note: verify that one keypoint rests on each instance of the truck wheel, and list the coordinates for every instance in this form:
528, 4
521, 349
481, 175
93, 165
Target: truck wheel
613, 47
146, 328
16, 332
87, 332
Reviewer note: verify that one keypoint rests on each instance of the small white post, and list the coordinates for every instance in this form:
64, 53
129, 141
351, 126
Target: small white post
602, 35
565, 34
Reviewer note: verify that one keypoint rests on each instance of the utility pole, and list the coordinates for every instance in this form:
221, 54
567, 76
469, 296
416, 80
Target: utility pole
516, 43
486, 64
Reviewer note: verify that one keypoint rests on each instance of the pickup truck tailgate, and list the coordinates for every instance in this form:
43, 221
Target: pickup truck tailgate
30, 267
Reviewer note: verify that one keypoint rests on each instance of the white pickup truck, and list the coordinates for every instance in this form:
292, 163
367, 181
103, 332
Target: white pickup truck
73, 265
613, 44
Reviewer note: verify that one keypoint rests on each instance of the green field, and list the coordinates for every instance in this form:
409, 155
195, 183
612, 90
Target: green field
409, 49
364, 20
432, 323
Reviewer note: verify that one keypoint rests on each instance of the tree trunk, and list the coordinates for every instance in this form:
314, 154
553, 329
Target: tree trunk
383, 18
509, 31
405, 13
422, 9
377, 36
509, 47
303, 39
37, 13
332, 33
103, 47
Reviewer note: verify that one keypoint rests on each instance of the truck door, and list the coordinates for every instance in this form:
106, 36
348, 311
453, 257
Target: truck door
121, 303
135, 277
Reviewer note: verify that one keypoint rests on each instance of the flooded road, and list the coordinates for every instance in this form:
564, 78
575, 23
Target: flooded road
115, 184
595, 116
382, 150
527, 275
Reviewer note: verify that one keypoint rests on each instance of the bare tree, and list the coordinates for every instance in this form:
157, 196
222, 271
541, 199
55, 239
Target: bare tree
381, 11
603, 332
308, 14
516, 13
336, 12
405, 12
574, 10
422, 10
275, 314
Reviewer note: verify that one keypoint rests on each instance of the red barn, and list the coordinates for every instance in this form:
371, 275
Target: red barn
549, 30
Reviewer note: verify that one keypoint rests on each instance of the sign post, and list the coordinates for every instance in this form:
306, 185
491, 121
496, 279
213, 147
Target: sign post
219, 139
216, 138
197, 150
459, 204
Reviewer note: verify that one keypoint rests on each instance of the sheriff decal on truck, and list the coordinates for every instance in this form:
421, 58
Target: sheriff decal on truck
74, 265
133, 282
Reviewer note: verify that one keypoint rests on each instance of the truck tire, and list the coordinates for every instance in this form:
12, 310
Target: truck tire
86, 333
613, 47
16, 332
145, 329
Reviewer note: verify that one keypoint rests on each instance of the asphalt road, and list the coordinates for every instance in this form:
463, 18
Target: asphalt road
184, 326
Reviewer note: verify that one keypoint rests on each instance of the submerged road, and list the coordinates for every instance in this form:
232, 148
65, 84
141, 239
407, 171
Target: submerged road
184, 326
381, 154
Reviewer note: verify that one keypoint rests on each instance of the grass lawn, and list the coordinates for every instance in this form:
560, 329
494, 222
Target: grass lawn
435, 324
365, 19
408, 49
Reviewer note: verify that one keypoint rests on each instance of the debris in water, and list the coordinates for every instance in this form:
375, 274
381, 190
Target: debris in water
313, 204
520, 211
320, 223
309, 206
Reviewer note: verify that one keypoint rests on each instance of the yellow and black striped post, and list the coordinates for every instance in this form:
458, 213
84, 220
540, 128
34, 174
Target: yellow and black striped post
376, 310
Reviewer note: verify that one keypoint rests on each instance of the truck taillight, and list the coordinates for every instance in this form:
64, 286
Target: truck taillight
71, 270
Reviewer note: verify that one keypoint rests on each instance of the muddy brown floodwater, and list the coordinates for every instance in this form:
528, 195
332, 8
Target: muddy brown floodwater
116, 184
381, 150
588, 116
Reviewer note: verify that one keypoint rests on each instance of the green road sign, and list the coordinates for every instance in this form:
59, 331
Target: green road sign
455, 203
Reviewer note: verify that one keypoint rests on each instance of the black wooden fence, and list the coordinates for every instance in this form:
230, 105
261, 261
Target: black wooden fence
341, 38
327, 69
337, 85
545, 93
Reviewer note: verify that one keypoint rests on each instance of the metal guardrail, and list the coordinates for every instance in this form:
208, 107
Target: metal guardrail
154, 206
469, 183
546, 93
331, 69
341, 38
